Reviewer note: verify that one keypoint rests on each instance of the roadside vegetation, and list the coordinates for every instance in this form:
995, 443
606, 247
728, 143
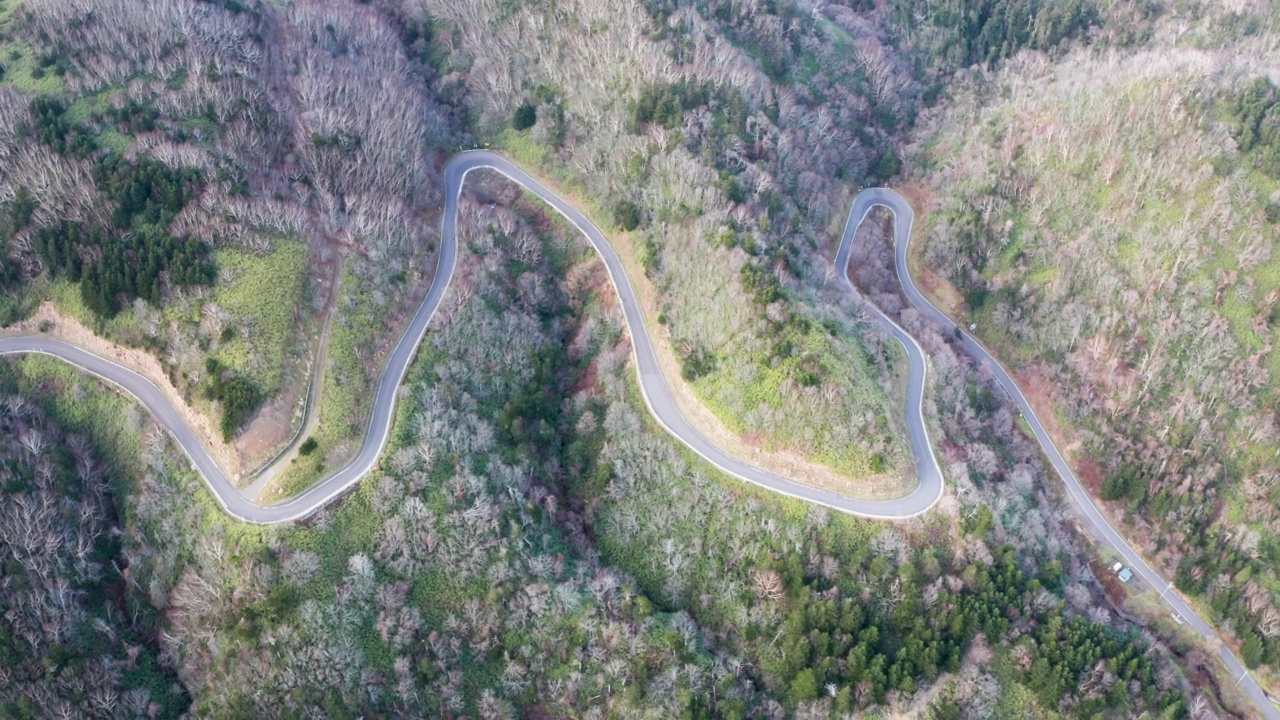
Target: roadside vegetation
70, 642
126, 183
494, 566
724, 140
1110, 225
200, 197
682, 125
372, 308
531, 545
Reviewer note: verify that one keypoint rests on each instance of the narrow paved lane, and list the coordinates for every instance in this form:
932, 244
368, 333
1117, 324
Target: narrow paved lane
1094, 521
653, 384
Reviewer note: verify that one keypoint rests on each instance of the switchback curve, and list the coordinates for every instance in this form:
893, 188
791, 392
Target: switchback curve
653, 384
657, 394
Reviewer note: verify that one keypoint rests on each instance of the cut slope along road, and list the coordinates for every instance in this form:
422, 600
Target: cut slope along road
1095, 522
653, 384
656, 391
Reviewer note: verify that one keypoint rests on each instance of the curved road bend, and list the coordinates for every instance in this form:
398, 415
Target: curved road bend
657, 394
653, 384
1096, 523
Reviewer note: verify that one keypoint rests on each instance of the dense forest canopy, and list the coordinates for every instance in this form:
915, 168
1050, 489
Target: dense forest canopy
1256, 127
530, 545
1108, 219
70, 641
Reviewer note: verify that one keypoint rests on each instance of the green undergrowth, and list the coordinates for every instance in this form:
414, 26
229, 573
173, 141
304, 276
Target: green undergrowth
346, 389
262, 314
743, 384
506, 473
1145, 289
25, 70
82, 404
692, 555
851, 368
95, 622
265, 296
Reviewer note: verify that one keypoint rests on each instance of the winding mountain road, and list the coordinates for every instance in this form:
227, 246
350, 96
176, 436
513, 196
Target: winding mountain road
657, 395
1095, 522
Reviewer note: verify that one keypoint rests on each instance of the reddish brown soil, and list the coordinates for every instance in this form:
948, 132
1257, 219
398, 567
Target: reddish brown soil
587, 383
1090, 474
1042, 394
596, 282
1116, 590
272, 427
920, 197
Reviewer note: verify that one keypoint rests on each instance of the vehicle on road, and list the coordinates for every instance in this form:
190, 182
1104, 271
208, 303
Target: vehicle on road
656, 393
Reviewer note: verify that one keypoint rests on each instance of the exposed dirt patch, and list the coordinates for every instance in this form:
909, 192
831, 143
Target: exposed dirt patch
937, 288
1042, 394
275, 424
777, 460
1090, 474
940, 291
597, 283
66, 328
290, 420
920, 196
587, 382
1116, 591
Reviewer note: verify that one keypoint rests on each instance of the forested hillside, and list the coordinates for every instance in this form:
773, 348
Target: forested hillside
724, 139
1110, 225
722, 147
534, 547
217, 186
219, 182
71, 644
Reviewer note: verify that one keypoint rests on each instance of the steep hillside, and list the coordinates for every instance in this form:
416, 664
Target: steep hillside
724, 171
724, 139
531, 544
1109, 222
534, 547
71, 642
217, 186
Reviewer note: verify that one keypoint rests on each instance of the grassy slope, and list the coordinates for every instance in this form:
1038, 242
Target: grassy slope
1100, 204
261, 291
491, 548
752, 385
263, 294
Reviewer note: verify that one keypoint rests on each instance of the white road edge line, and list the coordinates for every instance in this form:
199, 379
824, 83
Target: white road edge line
651, 381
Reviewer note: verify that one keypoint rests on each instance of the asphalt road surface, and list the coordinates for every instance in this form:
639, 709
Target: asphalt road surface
657, 395
1094, 521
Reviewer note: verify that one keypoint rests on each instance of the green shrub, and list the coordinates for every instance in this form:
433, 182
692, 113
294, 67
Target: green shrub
665, 104
240, 398
1126, 482
1256, 115
805, 686
627, 215
1251, 651
697, 363
526, 117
